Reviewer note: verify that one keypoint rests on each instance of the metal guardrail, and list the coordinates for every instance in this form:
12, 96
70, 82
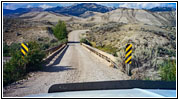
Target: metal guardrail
103, 55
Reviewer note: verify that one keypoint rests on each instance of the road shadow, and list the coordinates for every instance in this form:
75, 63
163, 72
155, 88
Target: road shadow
73, 42
54, 67
57, 68
57, 61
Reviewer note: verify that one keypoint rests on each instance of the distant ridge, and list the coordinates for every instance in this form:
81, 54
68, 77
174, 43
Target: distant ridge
77, 10
74, 10
161, 9
21, 10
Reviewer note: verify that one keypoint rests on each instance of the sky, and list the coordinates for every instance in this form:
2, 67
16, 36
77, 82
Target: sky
139, 5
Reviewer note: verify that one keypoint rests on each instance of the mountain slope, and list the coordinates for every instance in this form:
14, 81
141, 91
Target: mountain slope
21, 10
47, 16
161, 9
126, 15
89, 14
18, 30
77, 10
74, 10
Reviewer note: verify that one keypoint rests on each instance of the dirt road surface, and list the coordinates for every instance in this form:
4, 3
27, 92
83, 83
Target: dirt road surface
73, 64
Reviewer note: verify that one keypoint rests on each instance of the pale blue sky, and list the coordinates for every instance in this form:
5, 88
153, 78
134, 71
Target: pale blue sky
49, 5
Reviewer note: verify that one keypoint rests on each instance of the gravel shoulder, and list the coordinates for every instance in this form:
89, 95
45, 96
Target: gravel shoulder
73, 64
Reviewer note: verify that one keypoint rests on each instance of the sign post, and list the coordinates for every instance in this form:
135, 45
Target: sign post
128, 57
24, 49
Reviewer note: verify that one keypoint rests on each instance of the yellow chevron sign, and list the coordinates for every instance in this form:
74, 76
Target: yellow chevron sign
24, 49
128, 55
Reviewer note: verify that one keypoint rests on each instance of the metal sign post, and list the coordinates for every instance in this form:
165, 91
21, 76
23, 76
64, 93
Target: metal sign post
128, 57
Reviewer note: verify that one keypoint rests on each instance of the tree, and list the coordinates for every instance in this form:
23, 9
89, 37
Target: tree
60, 31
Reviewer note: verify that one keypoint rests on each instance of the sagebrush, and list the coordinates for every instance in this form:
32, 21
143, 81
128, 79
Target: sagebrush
168, 70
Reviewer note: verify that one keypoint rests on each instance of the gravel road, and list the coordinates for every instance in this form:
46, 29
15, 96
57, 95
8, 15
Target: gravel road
73, 64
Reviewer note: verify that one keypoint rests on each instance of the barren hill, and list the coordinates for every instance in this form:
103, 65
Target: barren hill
90, 13
126, 15
47, 16
18, 30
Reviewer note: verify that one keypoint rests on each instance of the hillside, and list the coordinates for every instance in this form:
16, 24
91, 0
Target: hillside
152, 35
161, 9
78, 9
126, 15
89, 14
21, 10
18, 31
46, 16
150, 43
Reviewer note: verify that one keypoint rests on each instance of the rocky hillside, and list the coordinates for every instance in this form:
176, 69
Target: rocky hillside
18, 30
126, 15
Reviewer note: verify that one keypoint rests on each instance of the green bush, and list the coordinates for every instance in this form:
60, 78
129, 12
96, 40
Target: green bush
51, 44
13, 70
168, 70
14, 47
45, 46
19, 66
65, 40
83, 40
53, 41
60, 30
10, 50
108, 49
6, 50
165, 51
34, 58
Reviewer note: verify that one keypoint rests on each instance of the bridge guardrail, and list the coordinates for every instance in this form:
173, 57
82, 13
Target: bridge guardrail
109, 58
53, 51
48, 52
